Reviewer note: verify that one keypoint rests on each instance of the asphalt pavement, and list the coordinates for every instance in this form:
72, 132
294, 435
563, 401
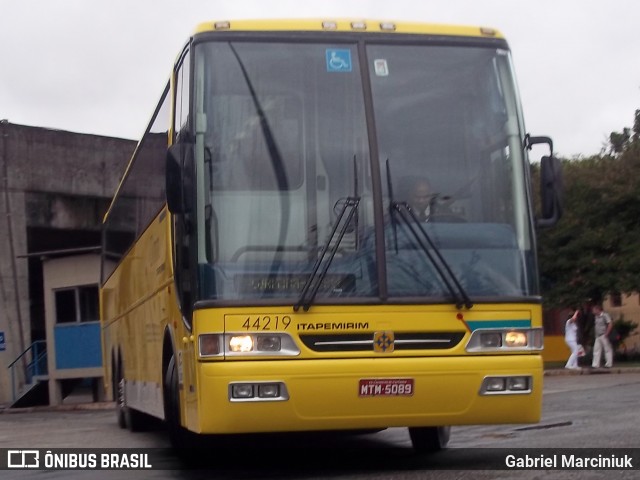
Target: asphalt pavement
82, 400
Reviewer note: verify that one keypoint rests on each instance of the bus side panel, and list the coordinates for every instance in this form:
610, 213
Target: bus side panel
135, 311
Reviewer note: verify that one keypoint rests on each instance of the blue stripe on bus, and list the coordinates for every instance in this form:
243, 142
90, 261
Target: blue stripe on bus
499, 324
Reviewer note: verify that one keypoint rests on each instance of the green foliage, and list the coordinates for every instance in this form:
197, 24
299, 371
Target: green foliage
622, 329
619, 140
594, 249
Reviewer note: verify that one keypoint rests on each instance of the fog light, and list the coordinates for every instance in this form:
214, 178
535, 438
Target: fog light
268, 343
494, 384
243, 343
518, 383
242, 390
515, 339
268, 390
491, 340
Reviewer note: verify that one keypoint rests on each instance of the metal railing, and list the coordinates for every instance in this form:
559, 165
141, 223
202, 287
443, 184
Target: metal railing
34, 364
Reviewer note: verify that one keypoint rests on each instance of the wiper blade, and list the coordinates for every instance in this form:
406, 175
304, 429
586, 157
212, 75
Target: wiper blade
312, 285
438, 261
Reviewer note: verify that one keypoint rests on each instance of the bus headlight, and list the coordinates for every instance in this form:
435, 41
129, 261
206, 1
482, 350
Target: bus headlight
491, 339
242, 344
505, 340
269, 343
515, 339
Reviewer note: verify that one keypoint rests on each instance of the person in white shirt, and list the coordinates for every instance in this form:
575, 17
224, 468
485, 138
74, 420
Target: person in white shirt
571, 339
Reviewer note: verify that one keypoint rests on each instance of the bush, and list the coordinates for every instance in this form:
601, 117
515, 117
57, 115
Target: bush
621, 330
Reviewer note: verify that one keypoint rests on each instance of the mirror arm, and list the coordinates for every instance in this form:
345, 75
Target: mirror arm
530, 141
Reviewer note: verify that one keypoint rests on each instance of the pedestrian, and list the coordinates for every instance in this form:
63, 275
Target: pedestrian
571, 339
602, 329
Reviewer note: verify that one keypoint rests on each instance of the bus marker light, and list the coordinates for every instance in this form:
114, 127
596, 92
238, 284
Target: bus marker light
329, 25
388, 26
490, 32
358, 26
222, 25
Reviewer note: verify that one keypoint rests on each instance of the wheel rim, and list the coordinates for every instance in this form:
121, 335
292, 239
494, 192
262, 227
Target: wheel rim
121, 393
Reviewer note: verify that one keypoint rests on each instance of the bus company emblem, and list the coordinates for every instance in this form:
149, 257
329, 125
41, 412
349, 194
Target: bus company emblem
383, 342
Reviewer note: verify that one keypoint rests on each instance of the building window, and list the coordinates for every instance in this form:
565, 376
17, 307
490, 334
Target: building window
77, 304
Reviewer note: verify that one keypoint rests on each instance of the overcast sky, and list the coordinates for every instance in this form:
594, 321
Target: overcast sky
98, 66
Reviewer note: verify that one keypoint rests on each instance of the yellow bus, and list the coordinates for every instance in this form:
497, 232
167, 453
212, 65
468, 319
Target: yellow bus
329, 225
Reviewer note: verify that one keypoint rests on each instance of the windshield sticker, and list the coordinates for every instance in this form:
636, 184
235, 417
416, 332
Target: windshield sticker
338, 60
381, 67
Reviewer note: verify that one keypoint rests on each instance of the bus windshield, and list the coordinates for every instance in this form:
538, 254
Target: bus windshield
289, 191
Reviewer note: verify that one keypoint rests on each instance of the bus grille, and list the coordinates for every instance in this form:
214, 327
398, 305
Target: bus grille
363, 342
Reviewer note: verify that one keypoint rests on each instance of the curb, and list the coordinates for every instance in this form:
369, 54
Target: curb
556, 372
61, 408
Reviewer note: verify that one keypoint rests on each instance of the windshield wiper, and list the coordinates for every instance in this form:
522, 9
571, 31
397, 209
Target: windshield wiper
410, 219
440, 264
312, 285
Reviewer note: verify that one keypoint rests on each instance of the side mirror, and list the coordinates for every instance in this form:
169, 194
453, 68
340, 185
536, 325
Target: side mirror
551, 190
173, 178
551, 185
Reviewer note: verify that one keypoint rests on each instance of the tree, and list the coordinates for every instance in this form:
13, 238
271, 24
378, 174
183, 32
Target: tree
593, 251
619, 140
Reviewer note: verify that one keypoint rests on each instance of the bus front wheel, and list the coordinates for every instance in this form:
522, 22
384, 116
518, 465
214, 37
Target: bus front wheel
429, 439
179, 437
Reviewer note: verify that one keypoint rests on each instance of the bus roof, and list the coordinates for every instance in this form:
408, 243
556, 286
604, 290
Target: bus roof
319, 25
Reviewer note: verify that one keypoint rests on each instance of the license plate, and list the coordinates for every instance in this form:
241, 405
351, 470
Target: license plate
385, 387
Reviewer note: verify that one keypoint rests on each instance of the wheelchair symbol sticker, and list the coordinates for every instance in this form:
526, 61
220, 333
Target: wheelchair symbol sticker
338, 60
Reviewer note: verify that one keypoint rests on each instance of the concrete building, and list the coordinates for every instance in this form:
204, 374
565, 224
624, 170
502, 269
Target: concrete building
55, 187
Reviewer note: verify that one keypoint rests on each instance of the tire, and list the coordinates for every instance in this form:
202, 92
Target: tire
429, 439
179, 437
118, 393
126, 416
135, 420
